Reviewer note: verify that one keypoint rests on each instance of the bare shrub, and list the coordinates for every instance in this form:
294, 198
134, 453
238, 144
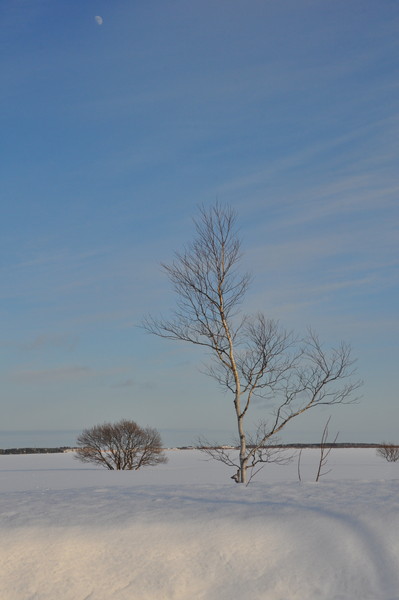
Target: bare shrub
388, 451
120, 446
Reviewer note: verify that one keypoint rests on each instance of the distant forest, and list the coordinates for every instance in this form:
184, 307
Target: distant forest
35, 450
299, 446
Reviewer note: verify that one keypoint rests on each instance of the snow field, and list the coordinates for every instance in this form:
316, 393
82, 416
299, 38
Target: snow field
72, 532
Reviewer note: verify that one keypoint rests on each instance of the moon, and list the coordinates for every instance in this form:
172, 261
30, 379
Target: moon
99, 20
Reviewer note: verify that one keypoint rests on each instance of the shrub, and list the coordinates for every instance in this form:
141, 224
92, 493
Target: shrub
388, 451
120, 446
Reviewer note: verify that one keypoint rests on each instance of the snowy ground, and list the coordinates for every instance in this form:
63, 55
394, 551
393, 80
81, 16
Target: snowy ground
185, 531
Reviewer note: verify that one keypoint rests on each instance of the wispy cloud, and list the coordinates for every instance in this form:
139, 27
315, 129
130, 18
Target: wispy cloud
335, 160
133, 383
127, 383
63, 341
53, 375
60, 257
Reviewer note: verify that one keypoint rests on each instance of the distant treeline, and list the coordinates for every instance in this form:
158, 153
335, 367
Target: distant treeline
332, 445
35, 450
299, 446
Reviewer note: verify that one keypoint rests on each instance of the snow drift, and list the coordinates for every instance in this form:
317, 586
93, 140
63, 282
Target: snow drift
178, 532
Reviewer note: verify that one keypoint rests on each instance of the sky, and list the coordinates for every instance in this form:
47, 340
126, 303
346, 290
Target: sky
119, 119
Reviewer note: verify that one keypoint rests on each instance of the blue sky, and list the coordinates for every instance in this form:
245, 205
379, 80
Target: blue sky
113, 134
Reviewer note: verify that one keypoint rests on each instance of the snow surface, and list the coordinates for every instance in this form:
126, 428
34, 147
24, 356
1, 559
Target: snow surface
185, 531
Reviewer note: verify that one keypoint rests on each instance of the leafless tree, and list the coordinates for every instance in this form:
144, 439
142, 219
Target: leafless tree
253, 358
325, 449
388, 451
258, 455
299, 465
120, 446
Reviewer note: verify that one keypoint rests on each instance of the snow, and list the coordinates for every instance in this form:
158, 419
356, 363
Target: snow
185, 531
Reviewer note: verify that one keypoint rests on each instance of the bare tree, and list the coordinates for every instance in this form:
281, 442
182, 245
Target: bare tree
270, 451
325, 449
299, 465
388, 451
253, 358
120, 446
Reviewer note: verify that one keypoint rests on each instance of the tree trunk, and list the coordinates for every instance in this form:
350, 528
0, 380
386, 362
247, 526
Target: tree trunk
242, 471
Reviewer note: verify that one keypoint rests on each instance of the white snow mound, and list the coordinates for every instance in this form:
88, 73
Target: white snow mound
71, 532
